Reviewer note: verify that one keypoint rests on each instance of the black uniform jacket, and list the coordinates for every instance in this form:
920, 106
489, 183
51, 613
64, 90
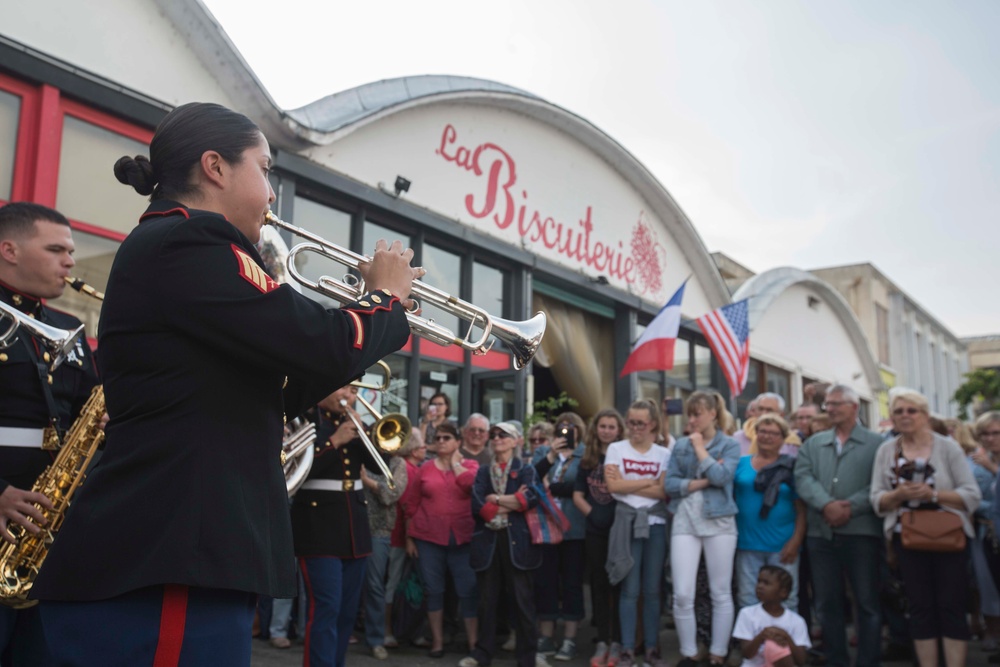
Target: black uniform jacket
334, 523
196, 343
22, 401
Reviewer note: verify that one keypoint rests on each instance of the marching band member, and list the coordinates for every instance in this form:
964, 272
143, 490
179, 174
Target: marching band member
332, 536
36, 253
185, 519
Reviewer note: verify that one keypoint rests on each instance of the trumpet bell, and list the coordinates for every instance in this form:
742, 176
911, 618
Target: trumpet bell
522, 338
391, 432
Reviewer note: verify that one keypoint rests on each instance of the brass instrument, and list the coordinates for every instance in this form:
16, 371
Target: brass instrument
20, 562
59, 342
389, 432
297, 452
522, 338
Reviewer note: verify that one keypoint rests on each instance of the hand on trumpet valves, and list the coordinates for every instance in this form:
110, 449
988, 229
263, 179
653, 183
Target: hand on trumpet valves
390, 269
18, 505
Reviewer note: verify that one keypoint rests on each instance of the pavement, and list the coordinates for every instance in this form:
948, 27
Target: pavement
359, 656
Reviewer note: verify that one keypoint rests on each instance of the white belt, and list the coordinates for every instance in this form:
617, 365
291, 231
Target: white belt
21, 437
329, 485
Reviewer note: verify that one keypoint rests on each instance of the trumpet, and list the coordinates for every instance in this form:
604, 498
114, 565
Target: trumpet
58, 342
521, 338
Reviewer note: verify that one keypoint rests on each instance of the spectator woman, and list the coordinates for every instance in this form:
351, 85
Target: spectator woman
559, 581
381, 501
438, 412
771, 522
922, 470
413, 453
540, 435
503, 555
439, 530
700, 485
984, 461
591, 497
637, 544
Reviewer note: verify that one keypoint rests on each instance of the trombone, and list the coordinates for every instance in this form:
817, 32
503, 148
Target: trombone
389, 432
522, 338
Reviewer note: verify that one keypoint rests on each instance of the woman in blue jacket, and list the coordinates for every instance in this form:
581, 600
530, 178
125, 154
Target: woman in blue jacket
502, 554
700, 485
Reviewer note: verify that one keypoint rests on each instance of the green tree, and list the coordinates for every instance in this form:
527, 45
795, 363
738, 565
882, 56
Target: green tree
549, 408
982, 385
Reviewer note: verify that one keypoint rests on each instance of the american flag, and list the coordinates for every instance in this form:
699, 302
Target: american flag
728, 332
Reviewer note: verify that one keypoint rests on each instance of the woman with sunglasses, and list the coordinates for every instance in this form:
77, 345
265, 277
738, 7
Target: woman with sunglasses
591, 497
637, 544
439, 529
921, 470
700, 486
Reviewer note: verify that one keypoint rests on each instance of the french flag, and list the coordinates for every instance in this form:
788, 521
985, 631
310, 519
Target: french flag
654, 350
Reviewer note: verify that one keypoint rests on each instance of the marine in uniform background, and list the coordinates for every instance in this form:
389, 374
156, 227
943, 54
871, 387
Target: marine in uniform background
331, 530
36, 247
185, 519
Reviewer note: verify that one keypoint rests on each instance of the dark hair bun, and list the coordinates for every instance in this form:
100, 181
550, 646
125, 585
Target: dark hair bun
137, 172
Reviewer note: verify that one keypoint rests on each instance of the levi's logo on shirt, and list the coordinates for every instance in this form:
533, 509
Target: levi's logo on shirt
651, 468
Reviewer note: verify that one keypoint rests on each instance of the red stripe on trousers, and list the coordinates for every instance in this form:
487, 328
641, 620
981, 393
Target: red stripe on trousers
311, 612
172, 618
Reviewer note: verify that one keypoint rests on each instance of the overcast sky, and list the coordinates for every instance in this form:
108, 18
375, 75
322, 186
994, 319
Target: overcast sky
807, 134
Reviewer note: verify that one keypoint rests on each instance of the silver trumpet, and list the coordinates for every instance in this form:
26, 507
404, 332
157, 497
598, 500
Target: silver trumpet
58, 342
521, 338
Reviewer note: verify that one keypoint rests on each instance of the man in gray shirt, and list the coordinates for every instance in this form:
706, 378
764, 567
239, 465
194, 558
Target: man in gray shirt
833, 476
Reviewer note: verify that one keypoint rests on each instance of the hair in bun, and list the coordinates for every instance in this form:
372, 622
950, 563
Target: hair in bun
137, 172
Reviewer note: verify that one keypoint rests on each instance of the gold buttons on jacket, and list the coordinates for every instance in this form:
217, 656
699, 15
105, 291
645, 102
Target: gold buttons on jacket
3, 356
46, 357
314, 504
16, 299
50, 378
376, 298
365, 304
347, 461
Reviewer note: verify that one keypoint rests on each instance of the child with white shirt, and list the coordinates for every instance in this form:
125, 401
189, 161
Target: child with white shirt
772, 635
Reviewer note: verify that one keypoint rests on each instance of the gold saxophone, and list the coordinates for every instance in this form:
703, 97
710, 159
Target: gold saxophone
20, 562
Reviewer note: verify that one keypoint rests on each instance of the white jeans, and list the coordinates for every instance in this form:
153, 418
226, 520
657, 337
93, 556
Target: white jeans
685, 554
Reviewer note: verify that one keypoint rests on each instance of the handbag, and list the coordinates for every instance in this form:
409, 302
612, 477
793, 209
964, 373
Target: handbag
546, 521
932, 530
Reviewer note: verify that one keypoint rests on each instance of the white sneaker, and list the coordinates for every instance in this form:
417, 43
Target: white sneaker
540, 661
511, 643
468, 661
379, 653
600, 657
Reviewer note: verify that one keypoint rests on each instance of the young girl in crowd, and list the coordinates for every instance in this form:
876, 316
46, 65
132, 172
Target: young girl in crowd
591, 497
700, 485
770, 633
637, 545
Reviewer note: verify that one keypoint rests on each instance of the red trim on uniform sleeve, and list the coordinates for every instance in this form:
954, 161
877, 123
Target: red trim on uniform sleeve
173, 616
489, 511
521, 500
252, 272
359, 329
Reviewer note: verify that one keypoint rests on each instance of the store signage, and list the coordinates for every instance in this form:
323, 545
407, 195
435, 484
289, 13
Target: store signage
628, 255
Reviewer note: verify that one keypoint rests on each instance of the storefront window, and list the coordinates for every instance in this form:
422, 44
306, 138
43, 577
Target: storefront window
437, 377
649, 387
755, 372
93, 256
702, 367
497, 398
444, 271
682, 361
332, 225
87, 190
488, 286
676, 419
10, 109
395, 399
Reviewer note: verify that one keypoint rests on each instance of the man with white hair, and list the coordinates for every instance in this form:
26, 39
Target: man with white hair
833, 477
475, 435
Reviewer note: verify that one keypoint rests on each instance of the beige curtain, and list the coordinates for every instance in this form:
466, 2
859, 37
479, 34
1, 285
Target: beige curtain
578, 348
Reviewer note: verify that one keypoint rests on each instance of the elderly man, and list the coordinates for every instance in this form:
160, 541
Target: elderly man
766, 403
833, 476
803, 419
474, 437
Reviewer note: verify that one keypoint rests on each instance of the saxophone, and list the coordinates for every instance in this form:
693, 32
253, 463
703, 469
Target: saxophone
20, 562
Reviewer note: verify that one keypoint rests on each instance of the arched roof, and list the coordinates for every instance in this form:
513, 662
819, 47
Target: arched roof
764, 288
335, 116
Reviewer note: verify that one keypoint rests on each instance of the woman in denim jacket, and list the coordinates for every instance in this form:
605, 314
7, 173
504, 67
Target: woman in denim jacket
700, 485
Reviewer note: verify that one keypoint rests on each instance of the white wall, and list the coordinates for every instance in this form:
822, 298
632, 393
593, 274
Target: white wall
127, 41
454, 152
808, 341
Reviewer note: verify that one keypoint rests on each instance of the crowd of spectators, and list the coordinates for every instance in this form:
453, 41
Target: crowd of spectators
797, 534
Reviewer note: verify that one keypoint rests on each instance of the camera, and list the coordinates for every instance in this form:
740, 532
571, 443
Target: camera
567, 431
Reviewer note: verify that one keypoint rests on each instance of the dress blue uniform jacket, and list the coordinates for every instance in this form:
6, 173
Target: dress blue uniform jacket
202, 356
524, 554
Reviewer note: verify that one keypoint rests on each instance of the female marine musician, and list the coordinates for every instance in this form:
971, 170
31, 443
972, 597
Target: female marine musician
185, 520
